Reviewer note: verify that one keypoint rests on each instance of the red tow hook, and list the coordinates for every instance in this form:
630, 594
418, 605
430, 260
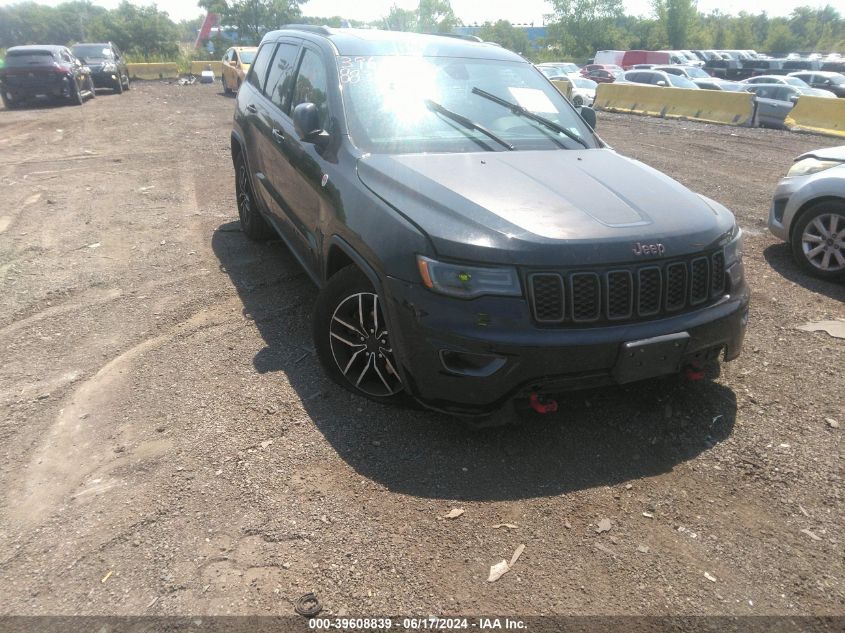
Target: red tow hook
693, 372
542, 405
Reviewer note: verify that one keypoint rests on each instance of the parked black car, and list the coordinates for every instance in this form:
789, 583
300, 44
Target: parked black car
32, 72
472, 238
108, 67
832, 82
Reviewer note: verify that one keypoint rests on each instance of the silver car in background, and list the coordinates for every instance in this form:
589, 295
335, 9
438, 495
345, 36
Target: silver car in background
808, 211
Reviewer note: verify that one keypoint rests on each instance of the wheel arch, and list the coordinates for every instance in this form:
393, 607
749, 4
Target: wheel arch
342, 254
808, 205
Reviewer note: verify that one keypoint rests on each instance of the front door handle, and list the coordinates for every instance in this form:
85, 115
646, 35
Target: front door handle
252, 108
277, 134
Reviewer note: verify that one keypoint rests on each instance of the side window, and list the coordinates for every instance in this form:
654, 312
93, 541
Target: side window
258, 70
312, 86
635, 77
282, 72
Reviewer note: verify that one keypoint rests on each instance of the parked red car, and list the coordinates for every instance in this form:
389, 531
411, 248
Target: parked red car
586, 70
605, 76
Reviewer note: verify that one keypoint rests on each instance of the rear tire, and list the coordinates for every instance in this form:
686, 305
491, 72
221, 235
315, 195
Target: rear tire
8, 103
818, 241
75, 97
226, 89
253, 224
352, 338
92, 88
578, 101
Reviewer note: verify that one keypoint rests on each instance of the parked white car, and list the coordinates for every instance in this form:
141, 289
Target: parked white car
808, 211
583, 91
776, 79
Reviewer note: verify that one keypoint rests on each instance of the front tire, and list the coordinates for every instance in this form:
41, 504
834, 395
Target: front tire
92, 88
226, 89
818, 241
578, 101
253, 224
118, 86
352, 338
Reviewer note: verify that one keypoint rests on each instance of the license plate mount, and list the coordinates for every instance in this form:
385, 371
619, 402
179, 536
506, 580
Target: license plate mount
651, 357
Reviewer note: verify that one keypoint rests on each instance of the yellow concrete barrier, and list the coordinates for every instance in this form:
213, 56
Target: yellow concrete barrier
564, 86
711, 106
216, 66
167, 70
817, 114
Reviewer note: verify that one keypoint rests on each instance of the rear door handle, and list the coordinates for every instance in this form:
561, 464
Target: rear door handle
277, 134
252, 108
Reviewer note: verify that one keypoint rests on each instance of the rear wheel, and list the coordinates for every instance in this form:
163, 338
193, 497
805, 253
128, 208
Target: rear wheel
91, 88
352, 338
818, 240
577, 101
226, 89
75, 93
253, 224
8, 103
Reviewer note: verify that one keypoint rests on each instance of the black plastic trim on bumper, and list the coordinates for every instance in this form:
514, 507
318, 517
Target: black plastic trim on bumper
535, 358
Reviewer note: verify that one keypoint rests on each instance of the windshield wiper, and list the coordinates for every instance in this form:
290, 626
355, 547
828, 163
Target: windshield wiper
467, 123
520, 111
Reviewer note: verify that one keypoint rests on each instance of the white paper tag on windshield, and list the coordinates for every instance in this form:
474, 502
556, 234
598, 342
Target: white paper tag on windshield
533, 99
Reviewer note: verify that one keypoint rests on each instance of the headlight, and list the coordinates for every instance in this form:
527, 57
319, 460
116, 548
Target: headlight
811, 165
109, 68
733, 260
468, 282
733, 249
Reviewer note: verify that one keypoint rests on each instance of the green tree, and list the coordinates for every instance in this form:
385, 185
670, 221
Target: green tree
780, 40
679, 18
435, 16
254, 18
585, 26
399, 19
504, 33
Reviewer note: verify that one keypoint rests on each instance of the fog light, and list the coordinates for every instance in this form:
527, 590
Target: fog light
745, 318
466, 364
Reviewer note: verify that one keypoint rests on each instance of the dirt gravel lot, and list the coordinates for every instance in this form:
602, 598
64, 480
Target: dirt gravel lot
170, 446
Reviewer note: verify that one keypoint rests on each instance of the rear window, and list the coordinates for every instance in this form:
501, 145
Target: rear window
28, 58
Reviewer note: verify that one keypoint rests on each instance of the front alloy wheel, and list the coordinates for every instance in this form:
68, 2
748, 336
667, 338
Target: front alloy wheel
352, 337
819, 241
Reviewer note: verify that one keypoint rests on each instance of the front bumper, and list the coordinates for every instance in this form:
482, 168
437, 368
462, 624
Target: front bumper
781, 212
104, 79
523, 357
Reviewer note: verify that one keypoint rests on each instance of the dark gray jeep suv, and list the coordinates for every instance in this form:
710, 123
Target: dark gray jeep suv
473, 239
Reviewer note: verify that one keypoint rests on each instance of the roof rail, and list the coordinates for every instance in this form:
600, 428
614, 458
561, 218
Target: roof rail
312, 28
458, 36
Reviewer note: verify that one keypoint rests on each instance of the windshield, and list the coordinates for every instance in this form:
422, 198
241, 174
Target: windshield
794, 81
681, 82
96, 51
28, 58
389, 105
247, 56
696, 73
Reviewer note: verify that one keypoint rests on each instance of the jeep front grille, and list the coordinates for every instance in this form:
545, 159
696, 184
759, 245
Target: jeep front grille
626, 293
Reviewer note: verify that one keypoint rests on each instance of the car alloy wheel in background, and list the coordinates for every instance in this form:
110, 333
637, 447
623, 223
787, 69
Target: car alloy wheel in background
819, 241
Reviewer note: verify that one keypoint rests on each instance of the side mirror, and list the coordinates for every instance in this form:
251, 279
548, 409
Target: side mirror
589, 116
794, 98
306, 122
661, 83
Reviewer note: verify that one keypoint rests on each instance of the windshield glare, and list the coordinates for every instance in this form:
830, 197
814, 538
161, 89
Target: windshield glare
385, 102
247, 57
92, 52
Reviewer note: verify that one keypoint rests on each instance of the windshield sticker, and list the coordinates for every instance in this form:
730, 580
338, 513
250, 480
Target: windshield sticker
351, 68
532, 99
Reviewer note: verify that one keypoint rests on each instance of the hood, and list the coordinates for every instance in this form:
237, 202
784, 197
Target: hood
828, 153
566, 207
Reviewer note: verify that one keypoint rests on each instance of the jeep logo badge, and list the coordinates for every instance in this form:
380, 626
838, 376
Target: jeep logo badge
648, 249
